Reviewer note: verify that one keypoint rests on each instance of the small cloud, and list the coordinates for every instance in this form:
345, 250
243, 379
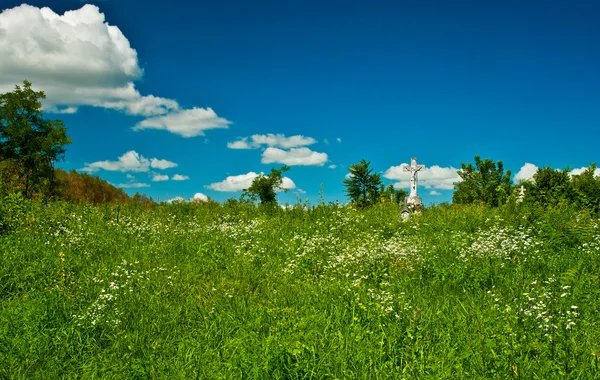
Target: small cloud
326, 141
161, 164
131, 161
130, 176
434, 192
133, 185
240, 144
294, 156
233, 183
199, 197
287, 183
300, 191
578, 171
349, 175
178, 177
339, 139
332, 166
243, 181
271, 140
159, 177
187, 123
525, 173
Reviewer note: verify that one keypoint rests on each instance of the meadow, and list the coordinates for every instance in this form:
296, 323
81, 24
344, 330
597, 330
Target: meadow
216, 291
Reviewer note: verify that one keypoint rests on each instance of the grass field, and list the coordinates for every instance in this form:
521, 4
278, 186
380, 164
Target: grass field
217, 292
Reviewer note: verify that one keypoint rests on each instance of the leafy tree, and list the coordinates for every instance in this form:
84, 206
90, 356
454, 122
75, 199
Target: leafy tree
486, 182
363, 186
552, 187
586, 187
265, 187
28, 139
82, 187
143, 199
391, 195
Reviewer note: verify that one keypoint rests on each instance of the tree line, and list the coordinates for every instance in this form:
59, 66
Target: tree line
30, 145
487, 183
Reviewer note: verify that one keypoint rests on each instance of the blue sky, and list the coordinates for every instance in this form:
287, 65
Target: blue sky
163, 95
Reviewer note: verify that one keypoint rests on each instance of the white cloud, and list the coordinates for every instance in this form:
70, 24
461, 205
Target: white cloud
434, 177
234, 182
294, 156
326, 141
271, 140
578, 171
300, 191
287, 183
240, 144
349, 175
199, 197
186, 123
160, 177
339, 139
525, 173
332, 166
133, 185
128, 162
130, 176
178, 177
434, 192
243, 181
161, 164
78, 59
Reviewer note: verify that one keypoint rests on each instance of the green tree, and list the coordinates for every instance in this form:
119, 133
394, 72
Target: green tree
486, 182
29, 140
586, 188
363, 186
266, 187
391, 195
552, 187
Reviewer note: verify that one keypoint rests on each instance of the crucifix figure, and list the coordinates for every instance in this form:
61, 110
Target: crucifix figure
413, 198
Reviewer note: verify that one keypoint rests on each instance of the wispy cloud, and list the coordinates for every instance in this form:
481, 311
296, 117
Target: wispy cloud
271, 140
294, 156
160, 177
186, 123
129, 162
178, 177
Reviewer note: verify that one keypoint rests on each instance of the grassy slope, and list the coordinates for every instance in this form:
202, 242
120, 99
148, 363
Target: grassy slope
203, 291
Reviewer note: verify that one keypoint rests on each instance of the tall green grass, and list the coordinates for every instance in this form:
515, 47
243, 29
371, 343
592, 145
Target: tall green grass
220, 292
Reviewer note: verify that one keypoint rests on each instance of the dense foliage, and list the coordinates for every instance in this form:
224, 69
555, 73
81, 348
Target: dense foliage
29, 140
486, 183
365, 188
265, 187
214, 291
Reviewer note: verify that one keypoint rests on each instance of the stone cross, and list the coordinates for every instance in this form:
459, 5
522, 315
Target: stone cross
413, 198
